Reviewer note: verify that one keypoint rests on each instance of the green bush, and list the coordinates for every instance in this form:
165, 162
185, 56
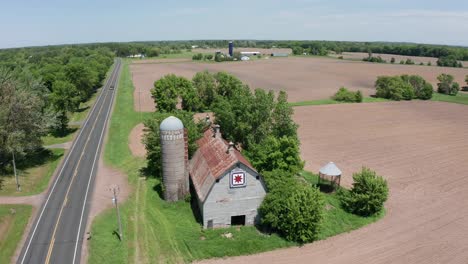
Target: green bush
377, 59
392, 60
368, 195
294, 211
394, 88
409, 61
208, 57
198, 56
449, 61
446, 84
422, 89
344, 95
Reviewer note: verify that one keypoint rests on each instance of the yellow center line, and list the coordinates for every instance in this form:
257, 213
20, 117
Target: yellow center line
52, 243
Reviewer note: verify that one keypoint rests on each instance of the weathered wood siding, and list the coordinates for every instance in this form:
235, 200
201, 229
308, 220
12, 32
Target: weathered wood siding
223, 201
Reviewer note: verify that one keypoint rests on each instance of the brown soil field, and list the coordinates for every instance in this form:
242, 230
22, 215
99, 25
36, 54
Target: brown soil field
422, 151
304, 78
388, 57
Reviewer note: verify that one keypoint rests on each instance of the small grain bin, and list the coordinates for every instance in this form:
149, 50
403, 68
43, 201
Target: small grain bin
174, 159
330, 173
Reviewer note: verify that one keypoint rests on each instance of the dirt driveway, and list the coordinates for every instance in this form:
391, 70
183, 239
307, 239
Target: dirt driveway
421, 148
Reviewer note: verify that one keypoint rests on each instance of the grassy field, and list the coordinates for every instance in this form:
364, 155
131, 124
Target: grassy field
34, 173
460, 98
331, 101
13, 220
156, 231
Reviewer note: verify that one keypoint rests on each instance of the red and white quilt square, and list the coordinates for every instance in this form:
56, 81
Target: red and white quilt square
237, 179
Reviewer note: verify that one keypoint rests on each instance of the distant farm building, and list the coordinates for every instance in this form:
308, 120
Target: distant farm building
250, 53
228, 189
245, 58
279, 54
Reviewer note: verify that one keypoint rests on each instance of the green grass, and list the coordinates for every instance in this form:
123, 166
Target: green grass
460, 98
51, 139
13, 220
336, 219
331, 101
156, 231
34, 174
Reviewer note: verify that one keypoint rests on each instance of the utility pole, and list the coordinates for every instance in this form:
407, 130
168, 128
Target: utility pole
18, 186
115, 192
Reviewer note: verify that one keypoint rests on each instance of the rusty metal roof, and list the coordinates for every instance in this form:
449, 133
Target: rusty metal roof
211, 161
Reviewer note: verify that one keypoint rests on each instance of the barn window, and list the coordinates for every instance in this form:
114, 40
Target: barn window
210, 224
238, 220
217, 180
258, 177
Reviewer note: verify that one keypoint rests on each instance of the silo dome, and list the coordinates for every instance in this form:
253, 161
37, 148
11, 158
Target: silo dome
171, 123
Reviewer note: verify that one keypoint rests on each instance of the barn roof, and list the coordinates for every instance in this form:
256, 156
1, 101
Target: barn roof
211, 161
330, 169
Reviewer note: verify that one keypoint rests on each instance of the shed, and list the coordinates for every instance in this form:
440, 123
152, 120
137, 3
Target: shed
228, 189
330, 173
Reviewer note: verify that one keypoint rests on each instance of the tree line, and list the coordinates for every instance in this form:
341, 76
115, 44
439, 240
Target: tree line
39, 88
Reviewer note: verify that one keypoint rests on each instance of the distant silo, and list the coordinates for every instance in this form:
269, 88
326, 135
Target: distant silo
173, 149
231, 48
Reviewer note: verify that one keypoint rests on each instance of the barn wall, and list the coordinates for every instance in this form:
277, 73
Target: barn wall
223, 202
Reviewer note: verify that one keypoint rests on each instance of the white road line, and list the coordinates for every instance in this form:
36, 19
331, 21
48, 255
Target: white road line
60, 173
92, 168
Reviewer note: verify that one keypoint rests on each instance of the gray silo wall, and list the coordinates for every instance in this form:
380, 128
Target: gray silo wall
174, 165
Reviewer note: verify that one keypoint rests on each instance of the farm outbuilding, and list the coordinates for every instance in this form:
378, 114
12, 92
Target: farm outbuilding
228, 189
330, 173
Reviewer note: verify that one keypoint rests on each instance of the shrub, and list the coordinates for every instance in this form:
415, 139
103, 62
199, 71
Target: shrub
422, 89
344, 95
402, 62
409, 61
446, 84
198, 56
377, 59
392, 60
394, 88
368, 195
340, 57
448, 61
429, 63
208, 57
295, 212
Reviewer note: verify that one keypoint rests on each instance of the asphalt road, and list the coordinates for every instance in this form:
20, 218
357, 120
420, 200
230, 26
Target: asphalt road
58, 231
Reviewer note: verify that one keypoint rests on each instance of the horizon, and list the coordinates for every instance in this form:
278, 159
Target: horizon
52, 22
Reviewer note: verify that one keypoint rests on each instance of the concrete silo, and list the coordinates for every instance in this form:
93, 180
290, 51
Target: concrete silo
174, 159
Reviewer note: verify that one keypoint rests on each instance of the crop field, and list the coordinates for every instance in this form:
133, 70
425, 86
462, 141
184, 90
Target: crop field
422, 151
304, 78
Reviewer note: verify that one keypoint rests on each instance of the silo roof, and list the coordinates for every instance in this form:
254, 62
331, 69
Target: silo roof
171, 123
330, 169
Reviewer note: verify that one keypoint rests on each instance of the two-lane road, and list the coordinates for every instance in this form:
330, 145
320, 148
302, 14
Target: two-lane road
58, 230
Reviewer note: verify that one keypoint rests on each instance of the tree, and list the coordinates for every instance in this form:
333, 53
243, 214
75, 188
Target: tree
295, 211
392, 60
283, 124
393, 88
204, 83
198, 56
208, 56
21, 116
446, 84
65, 98
344, 95
82, 76
422, 89
276, 154
166, 92
368, 194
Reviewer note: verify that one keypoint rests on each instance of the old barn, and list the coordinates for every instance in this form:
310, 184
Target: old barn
228, 189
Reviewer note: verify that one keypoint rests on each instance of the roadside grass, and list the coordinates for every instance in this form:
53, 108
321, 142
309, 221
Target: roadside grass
60, 139
331, 101
336, 219
34, 173
157, 231
13, 220
460, 98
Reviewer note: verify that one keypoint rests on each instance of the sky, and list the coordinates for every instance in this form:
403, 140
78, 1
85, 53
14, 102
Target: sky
50, 22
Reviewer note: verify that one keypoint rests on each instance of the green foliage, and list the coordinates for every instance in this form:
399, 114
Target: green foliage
466, 79
446, 84
394, 88
167, 90
402, 62
368, 195
198, 56
152, 139
65, 98
296, 212
276, 153
392, 60
422, 90
377, 59
345, 95
208, 56
14, 219
449, 61
429, 63
409, 61
283, 124
205, 85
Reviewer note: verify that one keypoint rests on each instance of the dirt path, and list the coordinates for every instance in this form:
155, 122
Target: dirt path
101, 198
421, 148
135, 141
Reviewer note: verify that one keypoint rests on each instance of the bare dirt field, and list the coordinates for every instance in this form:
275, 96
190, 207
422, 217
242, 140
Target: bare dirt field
303, 78
421, 148
388, 57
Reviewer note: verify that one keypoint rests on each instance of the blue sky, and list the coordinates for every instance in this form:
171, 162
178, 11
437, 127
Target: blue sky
48, 22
